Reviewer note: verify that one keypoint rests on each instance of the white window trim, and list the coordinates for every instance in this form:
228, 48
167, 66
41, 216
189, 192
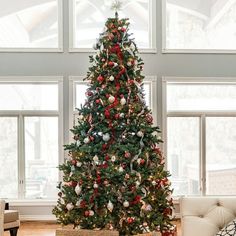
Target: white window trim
165, 50
20, 115
201, 114
152, 80
152, 30
60, 37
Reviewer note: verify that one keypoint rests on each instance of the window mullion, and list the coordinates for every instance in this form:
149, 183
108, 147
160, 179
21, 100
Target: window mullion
21, 158
203, 155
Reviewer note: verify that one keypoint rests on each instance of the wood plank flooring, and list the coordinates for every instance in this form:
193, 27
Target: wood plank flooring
29, 228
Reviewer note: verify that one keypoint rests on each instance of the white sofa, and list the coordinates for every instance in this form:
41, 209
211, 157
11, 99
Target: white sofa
205, 216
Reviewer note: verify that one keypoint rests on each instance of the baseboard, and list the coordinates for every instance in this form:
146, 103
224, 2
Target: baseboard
37, 218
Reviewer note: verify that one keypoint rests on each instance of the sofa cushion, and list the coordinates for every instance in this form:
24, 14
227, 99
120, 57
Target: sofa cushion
228, 230
10, 216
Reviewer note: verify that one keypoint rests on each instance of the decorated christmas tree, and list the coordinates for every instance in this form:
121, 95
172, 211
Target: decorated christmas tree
114, 176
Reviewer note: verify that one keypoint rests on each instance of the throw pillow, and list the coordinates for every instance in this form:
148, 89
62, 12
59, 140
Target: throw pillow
228, 230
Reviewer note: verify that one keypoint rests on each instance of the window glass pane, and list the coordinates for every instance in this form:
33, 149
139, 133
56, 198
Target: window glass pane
221, 155
147, 92
28, 97
29, 24
8, 158
201, 24
80, 96
90, 16
183, 154
201, 97
41, 156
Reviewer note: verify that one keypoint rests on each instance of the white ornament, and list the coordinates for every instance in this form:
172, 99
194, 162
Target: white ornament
111, 78
95, 185
122, 115
111, 99
69, 206
86, 140
113, 158
148, 207
100, 133
91, 213
154, 183
137, 183
121, 169
115, 64
126, 204
81, 117
78, 143
154, 133
79, 164
123, 101
78, 189
110, 206
62, 201
139, 160
140, 134
95, 159
78, 203
106, 137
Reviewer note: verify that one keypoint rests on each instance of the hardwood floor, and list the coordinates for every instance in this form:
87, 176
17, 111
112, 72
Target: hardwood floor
48, 229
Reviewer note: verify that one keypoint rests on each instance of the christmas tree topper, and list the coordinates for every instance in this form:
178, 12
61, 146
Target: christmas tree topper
116, 5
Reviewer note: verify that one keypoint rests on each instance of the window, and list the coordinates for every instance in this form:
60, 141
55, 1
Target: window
30, 127
31, 25
78, 88
199, 26
200, 127
88, 18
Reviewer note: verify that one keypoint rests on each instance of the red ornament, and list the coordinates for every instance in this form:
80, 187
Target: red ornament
130, 82
104, 146
111, 63
130, 220
98, 101
73, 162
117, 116
91, 138
127, 154
107, 158
100, 79
149, 119
107, 113
123, 29
86, 213
83, 204
142, 161
89, 93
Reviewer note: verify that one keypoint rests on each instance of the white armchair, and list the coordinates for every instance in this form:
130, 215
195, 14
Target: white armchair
205, 216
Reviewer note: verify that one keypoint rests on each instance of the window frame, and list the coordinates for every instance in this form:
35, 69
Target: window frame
201, 114
60, 37
165, 50
152, 30
73, 80
21, 114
